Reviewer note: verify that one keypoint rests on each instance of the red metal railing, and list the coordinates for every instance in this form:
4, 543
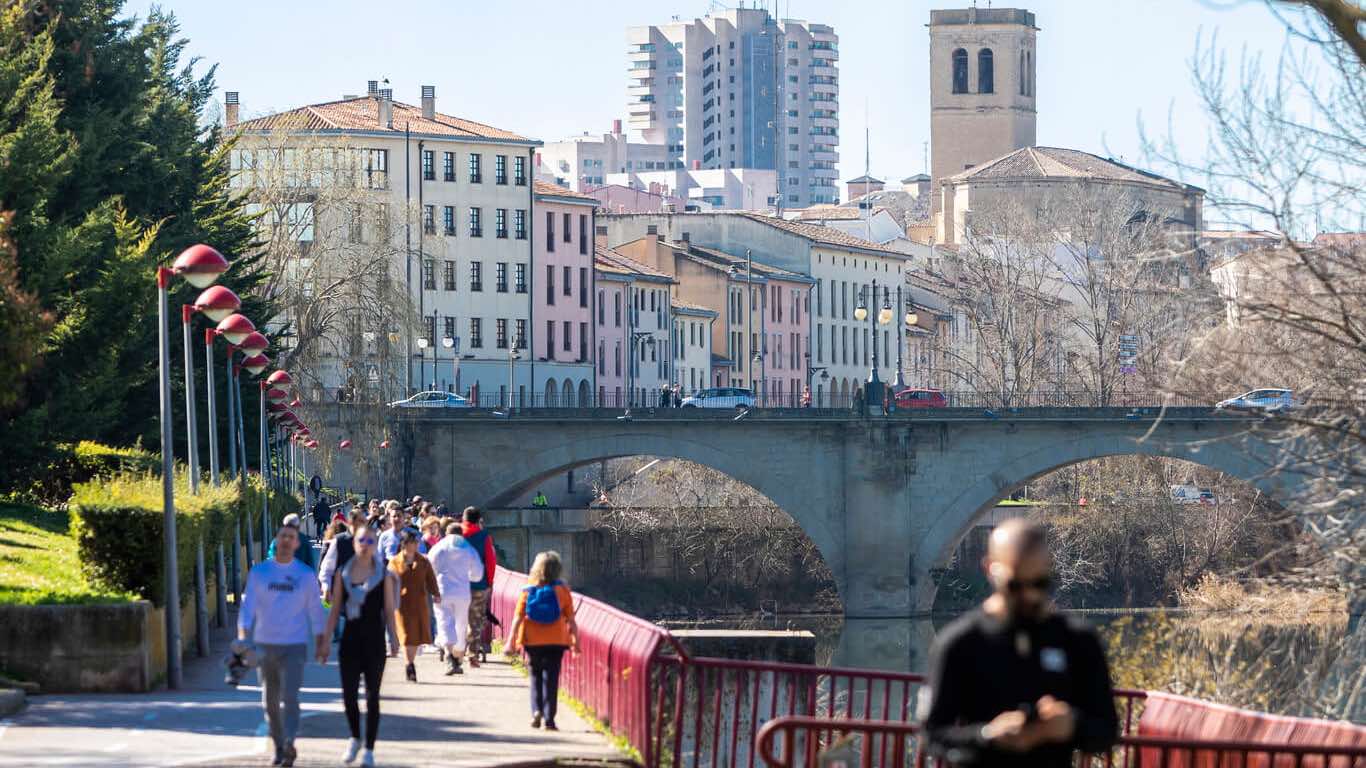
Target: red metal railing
792, 741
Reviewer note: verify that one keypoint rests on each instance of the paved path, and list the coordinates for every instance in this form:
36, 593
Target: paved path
480, 718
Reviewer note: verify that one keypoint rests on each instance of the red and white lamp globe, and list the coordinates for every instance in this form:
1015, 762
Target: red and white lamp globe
276, 395
280, 379
217, 303
236, 328
254, 344
255, 364
344, 444
200, 265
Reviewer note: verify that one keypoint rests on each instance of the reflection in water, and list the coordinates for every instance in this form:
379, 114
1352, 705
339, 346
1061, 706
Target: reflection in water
1309, 668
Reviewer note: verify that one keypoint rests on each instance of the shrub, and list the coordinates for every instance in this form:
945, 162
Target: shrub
67, 464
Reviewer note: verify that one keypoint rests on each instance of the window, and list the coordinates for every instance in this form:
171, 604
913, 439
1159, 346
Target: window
985, 73
476, 333
501, 327
617, 366
448, 276
429, 329
819, 300
960, 71
376, 166
550, 232
520, 339
616, 309
519, 171
583, 341
550, 284
519, 222
476, 275
568, 281
429, 274
428, 165
566, 336
500, 169
583, 234
602, 311
450, 327
550, 339
476, 222
448, 219
476, 168
500, 222
429, 219
500, 277
583, 286
568, 224
448, 166
521, 278
602, 358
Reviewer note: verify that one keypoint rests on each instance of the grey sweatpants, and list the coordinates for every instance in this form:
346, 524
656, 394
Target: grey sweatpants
282, 673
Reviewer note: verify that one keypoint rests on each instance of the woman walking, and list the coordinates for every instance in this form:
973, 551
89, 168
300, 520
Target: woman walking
365, 590
544, 626
417, 588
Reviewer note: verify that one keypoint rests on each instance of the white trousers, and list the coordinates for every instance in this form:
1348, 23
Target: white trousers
452, 622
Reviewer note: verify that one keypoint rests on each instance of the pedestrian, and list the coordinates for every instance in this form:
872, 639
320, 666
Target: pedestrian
322, 512
280, 614
1014, 683
457, 565
341, 551
544, 626
806, 397
366, 595
540, 500
479, 538
304, 553
388, 540
417, 588
664, 396
431, 534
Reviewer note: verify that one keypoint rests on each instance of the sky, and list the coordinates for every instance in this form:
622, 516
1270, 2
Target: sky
556, 68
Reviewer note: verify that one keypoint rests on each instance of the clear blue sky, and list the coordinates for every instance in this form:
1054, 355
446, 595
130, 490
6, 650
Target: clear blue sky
552, 68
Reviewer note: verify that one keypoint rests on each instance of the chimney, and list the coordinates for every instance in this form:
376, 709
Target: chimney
386, 108
372, 88
537, 161
230, 109
697, 165
616, 127
429, 102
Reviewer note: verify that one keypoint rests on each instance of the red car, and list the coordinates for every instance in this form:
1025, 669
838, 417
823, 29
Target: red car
921, 398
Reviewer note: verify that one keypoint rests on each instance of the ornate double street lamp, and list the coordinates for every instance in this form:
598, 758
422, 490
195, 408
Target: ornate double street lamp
909, 319
873, 390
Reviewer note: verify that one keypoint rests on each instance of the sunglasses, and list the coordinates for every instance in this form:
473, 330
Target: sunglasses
366, 540
1042, 584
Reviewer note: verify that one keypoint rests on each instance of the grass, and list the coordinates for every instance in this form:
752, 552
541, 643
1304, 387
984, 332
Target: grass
38, 564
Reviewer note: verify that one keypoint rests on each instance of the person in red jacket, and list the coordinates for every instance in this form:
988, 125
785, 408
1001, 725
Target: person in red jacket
474, 533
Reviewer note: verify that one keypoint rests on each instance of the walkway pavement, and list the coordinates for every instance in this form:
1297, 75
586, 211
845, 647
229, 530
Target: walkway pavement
480, 718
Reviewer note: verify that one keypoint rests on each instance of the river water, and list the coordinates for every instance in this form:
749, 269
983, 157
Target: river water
1308, 666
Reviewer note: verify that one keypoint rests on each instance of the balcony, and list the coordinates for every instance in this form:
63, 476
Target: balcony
824, 173
825, 122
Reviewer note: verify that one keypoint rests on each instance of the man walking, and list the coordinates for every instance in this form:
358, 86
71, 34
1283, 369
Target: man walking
474, 533
398, 522
1013, 683
280, 613
457, 565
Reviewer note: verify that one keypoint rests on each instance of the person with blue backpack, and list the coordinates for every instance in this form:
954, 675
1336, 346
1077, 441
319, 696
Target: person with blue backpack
544, 627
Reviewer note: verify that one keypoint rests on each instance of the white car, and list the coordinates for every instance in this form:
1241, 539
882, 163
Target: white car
720, 397
1273, 400
434, 399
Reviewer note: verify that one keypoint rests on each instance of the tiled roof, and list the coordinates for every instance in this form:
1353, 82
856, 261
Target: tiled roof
688, 305
819, 234
362, 114
607, 260
723, 260
864, 179
829, 213
554, 190
1058, 163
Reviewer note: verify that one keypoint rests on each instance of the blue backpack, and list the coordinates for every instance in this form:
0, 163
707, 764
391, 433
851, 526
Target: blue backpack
543, 604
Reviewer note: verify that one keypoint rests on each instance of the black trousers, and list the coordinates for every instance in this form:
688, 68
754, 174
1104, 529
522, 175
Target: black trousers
544, 663
355, 660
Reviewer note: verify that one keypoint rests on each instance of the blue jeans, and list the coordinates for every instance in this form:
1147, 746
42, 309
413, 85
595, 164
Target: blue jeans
544, 663
281, 668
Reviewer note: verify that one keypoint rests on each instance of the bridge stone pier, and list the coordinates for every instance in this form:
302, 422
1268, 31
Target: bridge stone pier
885, 499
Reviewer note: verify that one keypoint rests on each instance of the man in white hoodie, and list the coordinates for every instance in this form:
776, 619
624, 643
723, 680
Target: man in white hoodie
281, 611
456, 565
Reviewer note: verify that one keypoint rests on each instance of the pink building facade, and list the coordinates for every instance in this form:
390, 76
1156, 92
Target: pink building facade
784, 307
562, 344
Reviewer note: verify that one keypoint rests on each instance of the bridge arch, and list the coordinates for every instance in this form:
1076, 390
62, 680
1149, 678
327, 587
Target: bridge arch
1246, 460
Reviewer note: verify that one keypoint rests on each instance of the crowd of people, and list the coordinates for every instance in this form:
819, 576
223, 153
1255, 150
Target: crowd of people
390, 575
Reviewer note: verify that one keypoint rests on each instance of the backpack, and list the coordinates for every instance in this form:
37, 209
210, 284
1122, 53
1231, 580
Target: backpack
543, 604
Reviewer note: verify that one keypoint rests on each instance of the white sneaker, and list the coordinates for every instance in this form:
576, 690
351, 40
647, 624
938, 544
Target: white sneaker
368, 759
352, 749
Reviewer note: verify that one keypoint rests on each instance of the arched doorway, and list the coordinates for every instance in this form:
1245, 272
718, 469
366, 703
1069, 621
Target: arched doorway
585, 396
552, 393
568, 396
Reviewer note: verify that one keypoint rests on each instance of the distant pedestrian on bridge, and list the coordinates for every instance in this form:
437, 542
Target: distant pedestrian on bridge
474, 533
1014, 683
280, 614
544, 626
457, 565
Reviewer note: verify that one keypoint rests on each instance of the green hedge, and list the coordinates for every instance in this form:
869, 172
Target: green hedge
68, 464
117, 522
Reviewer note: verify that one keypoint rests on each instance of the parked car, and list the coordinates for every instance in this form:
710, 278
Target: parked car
1190, 494
921, 398
720, 397
433, 400
1265, 400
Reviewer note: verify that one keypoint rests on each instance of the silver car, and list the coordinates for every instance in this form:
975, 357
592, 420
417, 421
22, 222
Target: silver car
720, 397
1271, 400
433, 400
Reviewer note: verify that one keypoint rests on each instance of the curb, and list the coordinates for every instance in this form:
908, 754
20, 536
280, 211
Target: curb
11, 700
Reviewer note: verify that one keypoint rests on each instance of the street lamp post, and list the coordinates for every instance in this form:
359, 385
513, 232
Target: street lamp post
908, 319
514, 355
449, 343
637, 337
811, 376
217, 303
873, 391
422, 343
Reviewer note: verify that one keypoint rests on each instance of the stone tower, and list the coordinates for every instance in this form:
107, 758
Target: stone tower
981, 88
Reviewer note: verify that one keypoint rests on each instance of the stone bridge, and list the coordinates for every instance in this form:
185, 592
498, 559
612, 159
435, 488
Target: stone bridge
885, 499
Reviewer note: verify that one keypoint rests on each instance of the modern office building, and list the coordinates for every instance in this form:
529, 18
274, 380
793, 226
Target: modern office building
741, 89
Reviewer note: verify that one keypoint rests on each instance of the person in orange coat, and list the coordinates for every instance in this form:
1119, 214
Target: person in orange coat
417, 589
544, 626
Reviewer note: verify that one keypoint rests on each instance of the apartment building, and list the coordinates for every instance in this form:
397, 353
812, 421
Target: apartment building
741, 89
453, 195
583, 162
633, 328
762, 312
692, 345
562, 357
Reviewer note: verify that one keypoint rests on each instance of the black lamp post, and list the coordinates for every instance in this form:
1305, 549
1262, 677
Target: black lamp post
872, 391
909, 319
